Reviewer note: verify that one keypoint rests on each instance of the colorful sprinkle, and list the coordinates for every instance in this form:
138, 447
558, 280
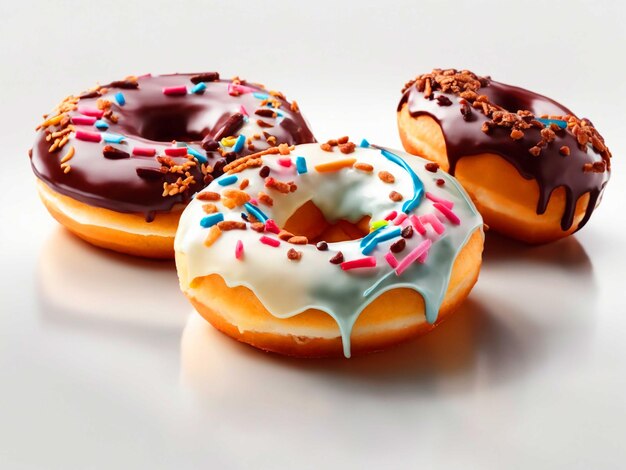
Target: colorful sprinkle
401, 218
366, 239
413, 256
434, 222
176, 152
301, 165
377, 224
93, 112
269, 241
392, 215
335, 166
367, 262
198, 88
393, 262
271, 226
212, 219
88, 136
445, 202
417, 224
261, 96
234, 89
239, 249
558, 122
83, 120
448, 213
244, 111
239, 143
364, 144
197, 155
228, 141
175, 90
112, 138
120, 99
286, 162
255, 211
227, 180
100, 124
144, 152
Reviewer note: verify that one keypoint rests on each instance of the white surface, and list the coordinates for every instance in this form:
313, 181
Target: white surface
102, 363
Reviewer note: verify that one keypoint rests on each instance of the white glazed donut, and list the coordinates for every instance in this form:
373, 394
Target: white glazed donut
322, 250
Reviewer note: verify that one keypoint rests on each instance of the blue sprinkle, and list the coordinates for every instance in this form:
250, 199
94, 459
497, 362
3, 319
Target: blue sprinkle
301, 165
261, 96
199, 88
211, 220
227, 180
418, 186
558, 122
255, 211
100, 124
119, 97
365, 240
197, 155
381, 237
364, 144
239, 143
112, 138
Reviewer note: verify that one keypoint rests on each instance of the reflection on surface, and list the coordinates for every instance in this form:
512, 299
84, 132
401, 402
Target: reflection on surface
510, 326
82, 284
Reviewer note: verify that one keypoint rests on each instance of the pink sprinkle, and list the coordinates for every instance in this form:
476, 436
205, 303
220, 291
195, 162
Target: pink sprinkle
434, 222
451, 216
422, 258
239, 250
83, 120
88, 136
417, 225
401, 217
412, 256
445, 202
392, 215
254, 202
235, 90
367, 262
93, 112
176, 151
393, 262
144, 152
271, 226
286, 162
242, 110
175, 90
269, 241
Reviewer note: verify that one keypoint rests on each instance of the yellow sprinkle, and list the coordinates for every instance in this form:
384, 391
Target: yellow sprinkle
53, 120
378, 224
67, 169
228, 141
214, 234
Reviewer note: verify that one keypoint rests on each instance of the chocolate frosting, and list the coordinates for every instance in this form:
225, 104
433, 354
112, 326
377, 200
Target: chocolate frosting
148, 117
551, 169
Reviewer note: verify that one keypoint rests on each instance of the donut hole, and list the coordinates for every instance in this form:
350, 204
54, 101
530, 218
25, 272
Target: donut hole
309, 221
168, 124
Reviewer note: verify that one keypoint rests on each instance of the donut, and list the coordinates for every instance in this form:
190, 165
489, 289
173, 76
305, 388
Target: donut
535, 171
328, 250
117, 164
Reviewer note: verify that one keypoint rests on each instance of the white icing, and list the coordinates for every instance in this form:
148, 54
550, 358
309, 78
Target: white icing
287, 287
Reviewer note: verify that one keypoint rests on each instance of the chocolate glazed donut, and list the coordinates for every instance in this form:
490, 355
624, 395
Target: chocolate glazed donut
117, 164
541, 138
146, 144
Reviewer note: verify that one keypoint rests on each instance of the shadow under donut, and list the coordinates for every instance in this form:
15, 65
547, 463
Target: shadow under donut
83, 286
511, 325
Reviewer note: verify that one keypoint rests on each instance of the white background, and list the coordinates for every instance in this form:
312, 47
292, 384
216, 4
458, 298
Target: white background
104, 365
